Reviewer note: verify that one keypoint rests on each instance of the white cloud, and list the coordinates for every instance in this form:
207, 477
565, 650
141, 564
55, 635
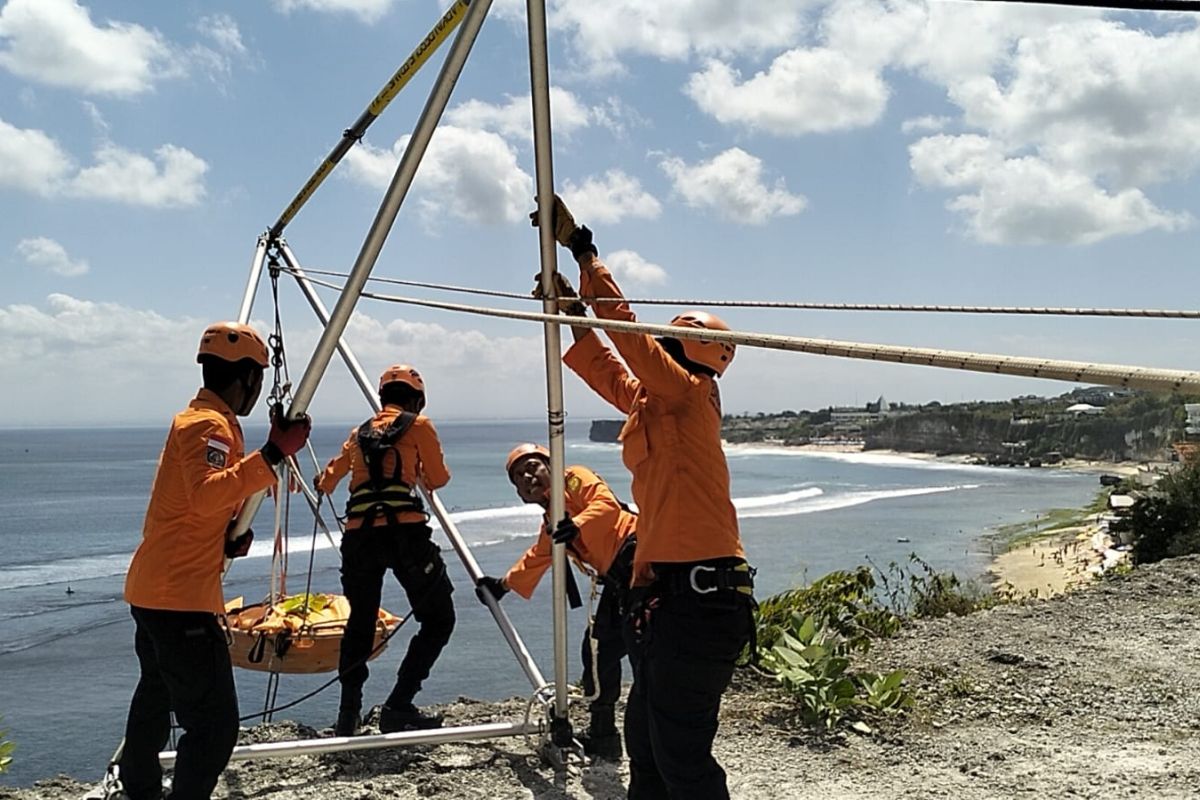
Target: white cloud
466, 173
924, 124
227, 47
51, 256
514, 118
31, 161
1076, 122
92, 344
55, 42
732, 185
366, 10
610, 199
52, 348
1025, 200
803, 91
120, 175
604, 32
223, 30
633, 270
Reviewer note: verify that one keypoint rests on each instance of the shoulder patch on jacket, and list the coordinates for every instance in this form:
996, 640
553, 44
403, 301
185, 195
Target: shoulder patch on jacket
574, 482
216, 452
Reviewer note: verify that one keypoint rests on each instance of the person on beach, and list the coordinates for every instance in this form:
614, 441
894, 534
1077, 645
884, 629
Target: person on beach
174, 582
692, 602
387, 528
600, 539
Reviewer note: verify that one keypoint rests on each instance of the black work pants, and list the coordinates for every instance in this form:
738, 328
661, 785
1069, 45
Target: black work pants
184, 659
683, 659
607, 625
367, 555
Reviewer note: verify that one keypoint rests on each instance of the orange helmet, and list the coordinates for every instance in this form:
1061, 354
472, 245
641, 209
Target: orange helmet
233, 341
521, 451
714, 355
402, 373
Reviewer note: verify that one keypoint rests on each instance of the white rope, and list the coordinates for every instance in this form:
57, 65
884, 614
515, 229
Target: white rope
1150, 313
1132, 377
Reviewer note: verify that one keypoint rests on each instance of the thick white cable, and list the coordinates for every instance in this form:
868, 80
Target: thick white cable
1151, 378
1068, 311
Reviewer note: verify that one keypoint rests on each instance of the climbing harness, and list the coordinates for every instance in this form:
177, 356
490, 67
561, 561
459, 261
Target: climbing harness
383, 493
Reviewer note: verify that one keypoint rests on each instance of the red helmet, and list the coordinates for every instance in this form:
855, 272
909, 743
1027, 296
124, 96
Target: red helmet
402, 373
232, 342
714, 355
521, 451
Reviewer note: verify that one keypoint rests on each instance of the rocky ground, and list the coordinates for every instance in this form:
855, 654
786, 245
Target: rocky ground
1095, 693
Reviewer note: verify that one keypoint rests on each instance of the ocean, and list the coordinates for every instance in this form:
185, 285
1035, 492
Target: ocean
72, 501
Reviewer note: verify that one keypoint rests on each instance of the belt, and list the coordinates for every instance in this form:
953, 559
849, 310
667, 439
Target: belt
706, 578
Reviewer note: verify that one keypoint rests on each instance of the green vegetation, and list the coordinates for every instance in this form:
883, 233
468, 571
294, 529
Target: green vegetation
6, 751
1167, 522
809, 638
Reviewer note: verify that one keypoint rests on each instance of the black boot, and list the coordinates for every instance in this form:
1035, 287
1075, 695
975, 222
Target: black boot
348, 722
406, 718
602, 739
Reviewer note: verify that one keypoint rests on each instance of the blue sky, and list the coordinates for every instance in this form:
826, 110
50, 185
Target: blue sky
847, 151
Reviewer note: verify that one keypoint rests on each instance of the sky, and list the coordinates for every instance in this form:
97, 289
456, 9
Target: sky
844, 151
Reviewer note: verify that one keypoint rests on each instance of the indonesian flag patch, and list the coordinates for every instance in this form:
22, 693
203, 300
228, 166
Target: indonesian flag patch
216, 452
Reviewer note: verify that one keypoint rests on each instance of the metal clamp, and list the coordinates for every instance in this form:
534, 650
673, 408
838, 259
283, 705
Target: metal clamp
692, 579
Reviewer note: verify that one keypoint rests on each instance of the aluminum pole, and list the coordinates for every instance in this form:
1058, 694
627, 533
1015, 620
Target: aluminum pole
342, 744
539, 78
256, 270
352, 135
406, 170
515, 643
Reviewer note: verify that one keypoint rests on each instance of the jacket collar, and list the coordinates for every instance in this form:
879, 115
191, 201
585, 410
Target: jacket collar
209, 399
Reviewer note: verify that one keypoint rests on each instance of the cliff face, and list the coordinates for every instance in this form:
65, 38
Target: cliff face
1145, 435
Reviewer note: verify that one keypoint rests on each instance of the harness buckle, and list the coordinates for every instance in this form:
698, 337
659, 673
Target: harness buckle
692, 579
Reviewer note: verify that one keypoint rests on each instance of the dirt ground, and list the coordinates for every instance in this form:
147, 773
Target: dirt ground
1091, 694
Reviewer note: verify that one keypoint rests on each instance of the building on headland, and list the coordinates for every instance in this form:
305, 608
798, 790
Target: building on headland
852, 419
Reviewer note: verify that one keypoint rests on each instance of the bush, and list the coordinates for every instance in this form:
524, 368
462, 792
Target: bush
807, 638
918, 590
6, 750
812, 662
1167, 523
844, 602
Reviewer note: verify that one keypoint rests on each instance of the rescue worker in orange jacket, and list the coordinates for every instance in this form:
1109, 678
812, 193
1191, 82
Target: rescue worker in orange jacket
693, 616
600, 539
174, 582
387, 529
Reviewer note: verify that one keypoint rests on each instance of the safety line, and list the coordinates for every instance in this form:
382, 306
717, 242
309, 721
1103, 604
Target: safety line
1121, 5
1150, 378
1151, 313
352, 135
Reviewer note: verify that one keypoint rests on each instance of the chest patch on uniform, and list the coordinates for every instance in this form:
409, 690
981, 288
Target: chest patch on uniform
574, 482
216, 452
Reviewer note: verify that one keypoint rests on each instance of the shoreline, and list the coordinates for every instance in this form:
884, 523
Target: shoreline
1058, 560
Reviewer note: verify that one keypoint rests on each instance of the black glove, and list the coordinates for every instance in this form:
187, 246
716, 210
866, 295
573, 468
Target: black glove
566, 531
236, 548
493, 586
581, 242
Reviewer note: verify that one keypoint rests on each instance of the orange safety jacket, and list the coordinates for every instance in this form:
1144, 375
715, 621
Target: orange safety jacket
671, 441
420, 453
603, 523
201, 482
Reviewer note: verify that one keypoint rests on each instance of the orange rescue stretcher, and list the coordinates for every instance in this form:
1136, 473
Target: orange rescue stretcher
284, 637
